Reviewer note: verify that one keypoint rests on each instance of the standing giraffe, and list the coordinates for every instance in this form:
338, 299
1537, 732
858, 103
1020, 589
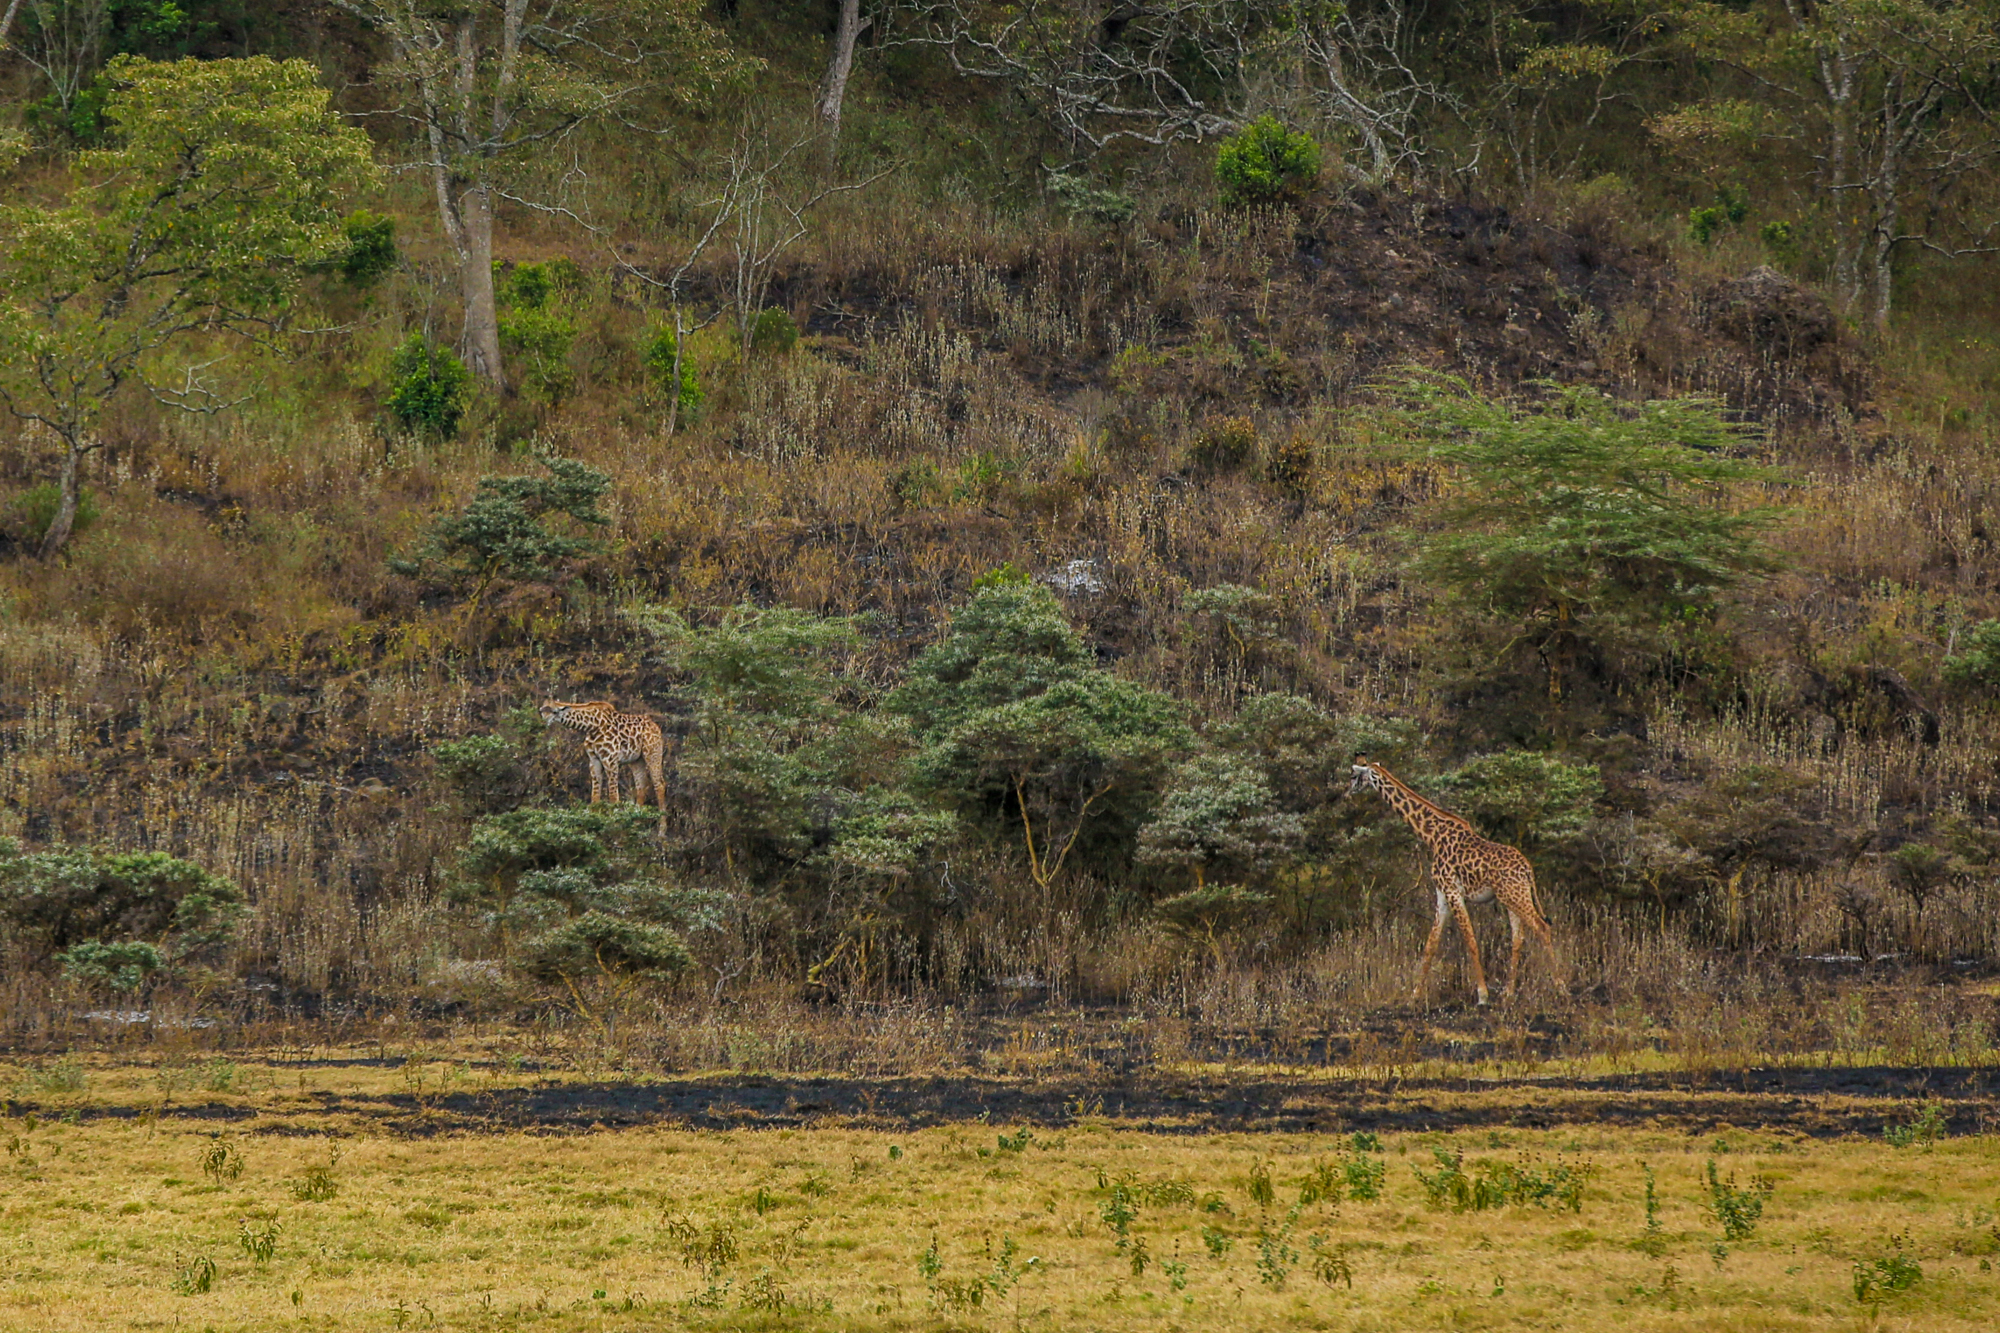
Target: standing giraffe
616, 742
1465, 868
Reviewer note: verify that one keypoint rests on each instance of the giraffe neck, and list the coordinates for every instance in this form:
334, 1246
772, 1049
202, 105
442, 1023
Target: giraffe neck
587, 723
1430, 822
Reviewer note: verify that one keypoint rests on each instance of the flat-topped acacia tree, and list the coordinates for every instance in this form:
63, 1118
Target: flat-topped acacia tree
196, 228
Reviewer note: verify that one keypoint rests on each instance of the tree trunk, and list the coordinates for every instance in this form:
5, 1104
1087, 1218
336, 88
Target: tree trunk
840, 63
65, 517
475, 281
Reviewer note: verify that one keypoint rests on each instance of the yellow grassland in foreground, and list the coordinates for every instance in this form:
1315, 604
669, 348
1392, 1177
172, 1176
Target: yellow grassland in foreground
974, 1226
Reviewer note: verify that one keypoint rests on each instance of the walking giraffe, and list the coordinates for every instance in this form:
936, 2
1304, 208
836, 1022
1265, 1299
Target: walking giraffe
1465, 868
616, 742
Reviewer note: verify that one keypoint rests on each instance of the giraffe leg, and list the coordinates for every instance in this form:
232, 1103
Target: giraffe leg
596, 779
1430, 950
1514, 962
1471, 944
655, 764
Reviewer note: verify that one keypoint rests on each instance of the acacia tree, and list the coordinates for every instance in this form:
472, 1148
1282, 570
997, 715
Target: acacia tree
496, 89
1894, 102
196, 227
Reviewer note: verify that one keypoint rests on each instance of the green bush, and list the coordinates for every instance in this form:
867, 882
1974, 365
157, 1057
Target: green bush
36, 508
120, 966
1224, 445
599, 943
540, 339
1523, 798
1266, 163
59, 899
1080, 197
659, 360
503, 530
371, 247
1976, 666
429, 388
773, 332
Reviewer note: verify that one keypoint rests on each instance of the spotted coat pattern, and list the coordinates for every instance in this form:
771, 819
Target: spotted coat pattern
616, 743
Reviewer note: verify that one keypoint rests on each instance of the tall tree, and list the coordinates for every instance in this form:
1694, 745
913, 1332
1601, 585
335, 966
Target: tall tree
1894, 104
832, 94
196, 227
494, 88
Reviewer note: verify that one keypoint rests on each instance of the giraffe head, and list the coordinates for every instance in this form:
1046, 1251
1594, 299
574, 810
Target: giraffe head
1367, 777
570, 714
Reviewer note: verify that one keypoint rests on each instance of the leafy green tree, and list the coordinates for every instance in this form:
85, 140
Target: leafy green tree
504, 529
197, 226
57, 900
1526, 799
1018, 725
123, 965
1585, 518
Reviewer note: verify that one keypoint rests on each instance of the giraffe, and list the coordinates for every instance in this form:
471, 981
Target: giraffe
616, 742
1465, 868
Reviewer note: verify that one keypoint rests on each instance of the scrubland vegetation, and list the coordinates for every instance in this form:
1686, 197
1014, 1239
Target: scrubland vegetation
1019, 483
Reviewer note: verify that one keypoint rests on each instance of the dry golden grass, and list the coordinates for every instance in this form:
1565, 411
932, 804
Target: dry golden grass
829, 1226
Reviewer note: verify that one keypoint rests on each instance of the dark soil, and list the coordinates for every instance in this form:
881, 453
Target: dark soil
1818, 1103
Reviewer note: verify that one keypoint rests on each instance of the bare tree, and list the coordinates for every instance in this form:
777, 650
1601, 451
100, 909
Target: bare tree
839, 64
496, 89
66, 44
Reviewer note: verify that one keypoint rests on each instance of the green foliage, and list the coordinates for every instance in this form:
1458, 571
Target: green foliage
194, 1276
1586, 517
1922, 1130
1216, 818
1879, 1276
1524, 798
1498, 1184
429, 388
1781, 241
1004, 575
536, 326
1731, 206
1976, 666
504, 529
1009, 643
581, 882
371, 247
1736, 1210
773, 332
36, 509
65, 897
198, 224
1265, 163
659, 362
598, 942
120, 966
220, 1161
260, 1242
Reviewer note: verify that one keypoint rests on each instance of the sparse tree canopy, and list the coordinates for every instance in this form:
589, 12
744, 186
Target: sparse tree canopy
195, 230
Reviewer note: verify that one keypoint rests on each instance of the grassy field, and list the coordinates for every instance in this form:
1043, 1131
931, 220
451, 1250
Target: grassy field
355, 1193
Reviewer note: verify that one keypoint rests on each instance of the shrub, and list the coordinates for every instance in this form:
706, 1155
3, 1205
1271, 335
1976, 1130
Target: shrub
1977, 665
1265, 163
1780, 240
1526, 799
598, 943
65, 897
371, 247
121, 966
504, 528
541, 339
429, 388
36, 508
1216, 817
1736, 1210
774, 332
659, 360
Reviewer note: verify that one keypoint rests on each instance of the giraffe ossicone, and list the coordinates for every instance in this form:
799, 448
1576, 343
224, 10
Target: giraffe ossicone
1465, 868
616, 742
